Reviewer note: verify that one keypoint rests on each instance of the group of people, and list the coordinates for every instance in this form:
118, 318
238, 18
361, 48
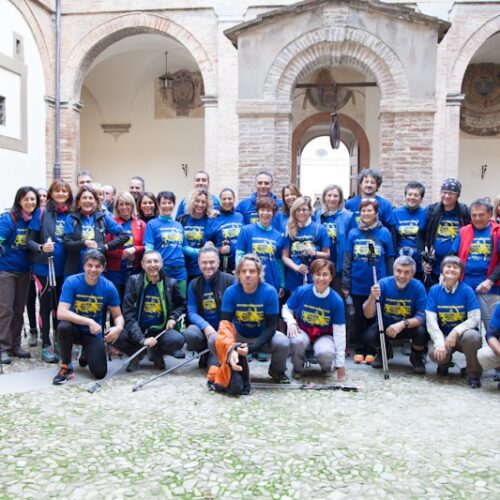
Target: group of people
264, 277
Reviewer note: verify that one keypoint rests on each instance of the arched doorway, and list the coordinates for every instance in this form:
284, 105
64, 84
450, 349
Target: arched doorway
131, 125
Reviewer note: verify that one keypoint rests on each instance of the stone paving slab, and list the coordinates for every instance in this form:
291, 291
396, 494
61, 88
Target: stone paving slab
407, 437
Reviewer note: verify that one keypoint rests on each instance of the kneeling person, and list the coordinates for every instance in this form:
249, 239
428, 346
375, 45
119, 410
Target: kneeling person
402, 300
253, 307
82, 300
152, 303
315, 316
489, 354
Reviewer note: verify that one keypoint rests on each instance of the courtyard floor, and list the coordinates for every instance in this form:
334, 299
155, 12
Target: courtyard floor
406, 437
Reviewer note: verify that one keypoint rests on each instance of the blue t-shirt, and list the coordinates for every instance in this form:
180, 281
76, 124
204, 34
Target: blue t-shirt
329, 222
385, 212
358, 246
59, 254
167, 237
120, 277
313, 235
478, 260
316, 315
14, 238
398, 305
266, 244
446, 233
194, 232
280, 221
451, 308
225, 227
89, 300
494, 328
209, 315
249, 310
248, 208
152, 313
409, 224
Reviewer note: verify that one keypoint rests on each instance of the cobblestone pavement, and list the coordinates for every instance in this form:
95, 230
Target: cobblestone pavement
406, 437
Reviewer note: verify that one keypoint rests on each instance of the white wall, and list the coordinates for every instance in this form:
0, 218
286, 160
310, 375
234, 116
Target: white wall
474, 152
153, 149
17, 169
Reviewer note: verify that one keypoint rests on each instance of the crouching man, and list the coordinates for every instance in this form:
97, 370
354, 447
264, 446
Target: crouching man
453, 316
152, 303
83, 298
315, 316
402, 301
252, 306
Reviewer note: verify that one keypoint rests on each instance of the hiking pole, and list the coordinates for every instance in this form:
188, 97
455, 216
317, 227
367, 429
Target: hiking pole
383, 350
306, 387
53, 296
99, 384
166, 372
225, 258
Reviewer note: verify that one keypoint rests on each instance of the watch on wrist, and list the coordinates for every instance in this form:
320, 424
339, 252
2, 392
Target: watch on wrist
406, 323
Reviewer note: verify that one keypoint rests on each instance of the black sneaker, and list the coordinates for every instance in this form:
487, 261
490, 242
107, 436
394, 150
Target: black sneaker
64, 374
158, 361
82, 360
17, 352
279, 378
442, 370
203, 360
179, 354
33, 341
133, 366
5, 358
417, 361
406, 348
474, 382
377, 362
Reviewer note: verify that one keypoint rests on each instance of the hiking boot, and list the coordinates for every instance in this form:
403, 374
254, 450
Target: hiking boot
279, 378
17, 352
474, 382
82, 360
158, 361
442, 370
5, 358
297, 375
262, 356
133, 365
203, 360
33, 341
48, 355
179, 354
417, 361
65, 373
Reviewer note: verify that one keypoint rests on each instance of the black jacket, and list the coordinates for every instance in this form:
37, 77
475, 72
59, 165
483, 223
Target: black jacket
133, 298
434, 214
73, 243
37, 238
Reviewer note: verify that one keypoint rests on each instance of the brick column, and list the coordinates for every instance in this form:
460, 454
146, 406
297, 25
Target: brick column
70, 140
452, 137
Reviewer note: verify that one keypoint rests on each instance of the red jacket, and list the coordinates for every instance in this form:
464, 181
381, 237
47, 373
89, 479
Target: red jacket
466, 237
114, 257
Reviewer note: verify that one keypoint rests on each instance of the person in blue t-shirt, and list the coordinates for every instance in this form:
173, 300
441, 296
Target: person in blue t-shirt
15, 271
166, 235
489, 355
357, 272
83, 299
315, 316
402, 302
224, 230
410, 222
453, 316
289, 194
263, 189
194, 222
201, 181
369, 181
305, 241
253, 307
204, 300
152, 303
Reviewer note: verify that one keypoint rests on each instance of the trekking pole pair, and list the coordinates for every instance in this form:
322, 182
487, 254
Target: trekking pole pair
100, 383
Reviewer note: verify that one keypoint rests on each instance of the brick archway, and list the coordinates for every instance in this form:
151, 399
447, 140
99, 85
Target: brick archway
78, 63
345, 122
469, 48
338, 47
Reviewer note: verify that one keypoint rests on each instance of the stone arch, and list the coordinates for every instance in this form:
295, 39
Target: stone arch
120, 27
467, 51
345, 122
336, 46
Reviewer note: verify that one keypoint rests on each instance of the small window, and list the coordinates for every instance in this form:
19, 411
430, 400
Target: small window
18, 46
2, 110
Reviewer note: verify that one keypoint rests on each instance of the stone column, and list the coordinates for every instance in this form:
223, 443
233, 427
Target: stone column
452, 136
70, 140
211, 134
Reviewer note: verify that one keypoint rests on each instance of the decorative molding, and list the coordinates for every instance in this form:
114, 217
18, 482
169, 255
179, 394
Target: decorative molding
116, 129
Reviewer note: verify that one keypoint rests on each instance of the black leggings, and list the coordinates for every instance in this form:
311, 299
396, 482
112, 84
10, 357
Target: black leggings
92, 345
362, 325
418, 336
47, 306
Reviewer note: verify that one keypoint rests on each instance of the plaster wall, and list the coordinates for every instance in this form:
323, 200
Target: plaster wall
153, 149
19, 168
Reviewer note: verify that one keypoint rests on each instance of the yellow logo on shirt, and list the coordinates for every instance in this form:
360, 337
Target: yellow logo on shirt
451, 315
315, 316
88, 304
397, 308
